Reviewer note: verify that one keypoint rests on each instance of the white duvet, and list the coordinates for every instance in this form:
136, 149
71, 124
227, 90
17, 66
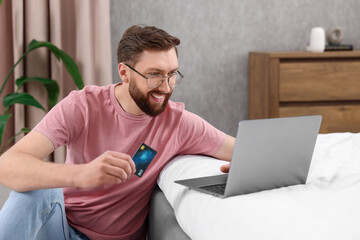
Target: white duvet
327, 207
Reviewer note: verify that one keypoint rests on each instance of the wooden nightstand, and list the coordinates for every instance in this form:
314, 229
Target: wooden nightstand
283, 84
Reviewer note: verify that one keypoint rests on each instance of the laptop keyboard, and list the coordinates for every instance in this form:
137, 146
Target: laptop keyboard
218, 188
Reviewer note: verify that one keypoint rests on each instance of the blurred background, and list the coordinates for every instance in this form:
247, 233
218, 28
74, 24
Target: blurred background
216, 37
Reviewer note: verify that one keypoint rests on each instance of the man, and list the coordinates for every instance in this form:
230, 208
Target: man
102, 128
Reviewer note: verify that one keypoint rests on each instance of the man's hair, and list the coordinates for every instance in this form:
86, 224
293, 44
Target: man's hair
138, 38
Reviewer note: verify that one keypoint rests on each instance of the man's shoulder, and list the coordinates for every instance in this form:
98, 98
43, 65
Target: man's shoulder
174, 111
90, 92
178, 109
89, 89
176, 106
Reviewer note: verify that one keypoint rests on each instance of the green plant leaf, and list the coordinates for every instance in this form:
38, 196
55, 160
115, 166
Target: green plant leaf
25, 130
22, 98
3, 121
52, 87
53, 93
59, 54
66, 59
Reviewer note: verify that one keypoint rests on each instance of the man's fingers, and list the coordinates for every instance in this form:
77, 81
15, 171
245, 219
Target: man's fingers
122, 160
109, 167
118, 172
225, 168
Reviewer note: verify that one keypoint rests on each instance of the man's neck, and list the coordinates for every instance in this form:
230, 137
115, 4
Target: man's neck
124, 99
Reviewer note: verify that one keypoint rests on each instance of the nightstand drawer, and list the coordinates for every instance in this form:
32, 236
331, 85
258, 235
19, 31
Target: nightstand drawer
336, 118
319, 81
284, 84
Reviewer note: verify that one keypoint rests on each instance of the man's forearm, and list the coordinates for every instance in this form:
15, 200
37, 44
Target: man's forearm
22, 169
22, 172
226, 150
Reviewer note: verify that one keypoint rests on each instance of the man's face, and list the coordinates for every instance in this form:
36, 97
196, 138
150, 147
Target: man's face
152, 101
146, 101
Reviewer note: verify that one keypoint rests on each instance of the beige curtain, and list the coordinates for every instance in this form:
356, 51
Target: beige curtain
81, 28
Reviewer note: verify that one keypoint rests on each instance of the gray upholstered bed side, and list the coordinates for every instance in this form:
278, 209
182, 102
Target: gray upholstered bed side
162, 222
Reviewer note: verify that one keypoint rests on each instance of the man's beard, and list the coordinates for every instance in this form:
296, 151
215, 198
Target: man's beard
143, 100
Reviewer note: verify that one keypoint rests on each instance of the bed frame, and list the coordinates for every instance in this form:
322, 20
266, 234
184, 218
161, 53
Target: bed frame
162, 224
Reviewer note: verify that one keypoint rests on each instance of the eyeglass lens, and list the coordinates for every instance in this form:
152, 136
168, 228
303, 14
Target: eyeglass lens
155, 81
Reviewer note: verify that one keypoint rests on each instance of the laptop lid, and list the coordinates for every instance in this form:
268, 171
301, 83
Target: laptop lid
272, 153
268, 154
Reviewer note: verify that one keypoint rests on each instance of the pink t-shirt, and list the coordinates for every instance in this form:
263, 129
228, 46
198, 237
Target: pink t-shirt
90, 122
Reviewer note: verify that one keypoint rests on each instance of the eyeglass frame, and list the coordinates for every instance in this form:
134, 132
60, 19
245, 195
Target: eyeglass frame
162, 80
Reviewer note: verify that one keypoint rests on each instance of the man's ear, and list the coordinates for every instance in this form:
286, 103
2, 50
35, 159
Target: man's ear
123, 72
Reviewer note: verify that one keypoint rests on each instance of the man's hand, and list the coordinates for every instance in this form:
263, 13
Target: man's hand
225, 152
109, 167
225, 168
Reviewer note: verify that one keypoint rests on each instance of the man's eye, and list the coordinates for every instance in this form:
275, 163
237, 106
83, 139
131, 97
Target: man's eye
155, 75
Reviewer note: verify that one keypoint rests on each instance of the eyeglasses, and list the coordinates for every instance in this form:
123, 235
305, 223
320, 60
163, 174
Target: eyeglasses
155, 80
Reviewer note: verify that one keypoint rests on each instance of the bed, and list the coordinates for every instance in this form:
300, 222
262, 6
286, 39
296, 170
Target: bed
326, 207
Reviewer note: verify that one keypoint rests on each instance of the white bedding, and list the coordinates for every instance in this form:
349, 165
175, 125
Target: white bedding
327, 207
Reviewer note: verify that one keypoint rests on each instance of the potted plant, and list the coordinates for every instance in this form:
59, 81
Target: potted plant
50, 85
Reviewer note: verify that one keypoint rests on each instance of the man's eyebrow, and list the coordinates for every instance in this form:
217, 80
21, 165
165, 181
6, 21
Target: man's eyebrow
161, 70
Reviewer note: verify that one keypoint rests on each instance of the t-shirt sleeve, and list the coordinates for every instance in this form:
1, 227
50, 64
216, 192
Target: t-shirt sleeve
197, 136
64, 121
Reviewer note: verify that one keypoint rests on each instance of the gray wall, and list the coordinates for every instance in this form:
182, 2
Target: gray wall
217, 36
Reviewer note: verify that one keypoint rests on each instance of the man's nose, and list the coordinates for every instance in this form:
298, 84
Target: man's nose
164, 87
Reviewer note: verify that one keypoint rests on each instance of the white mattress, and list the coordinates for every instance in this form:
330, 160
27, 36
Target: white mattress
327, 207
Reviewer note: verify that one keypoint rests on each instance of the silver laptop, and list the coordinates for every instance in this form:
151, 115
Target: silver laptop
268, 154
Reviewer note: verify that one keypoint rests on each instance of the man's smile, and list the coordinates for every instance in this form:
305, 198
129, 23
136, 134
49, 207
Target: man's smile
159, 98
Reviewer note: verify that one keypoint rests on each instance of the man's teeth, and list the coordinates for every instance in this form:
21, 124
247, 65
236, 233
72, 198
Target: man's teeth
156, 96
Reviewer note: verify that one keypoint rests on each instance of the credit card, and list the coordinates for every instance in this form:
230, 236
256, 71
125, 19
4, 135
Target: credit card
142, 158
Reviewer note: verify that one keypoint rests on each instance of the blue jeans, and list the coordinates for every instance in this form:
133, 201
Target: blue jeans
37, 215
